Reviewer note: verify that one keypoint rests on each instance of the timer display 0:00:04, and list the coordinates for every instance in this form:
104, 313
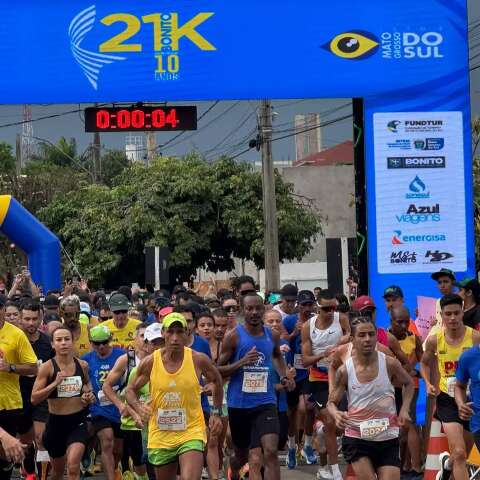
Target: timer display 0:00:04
136, 118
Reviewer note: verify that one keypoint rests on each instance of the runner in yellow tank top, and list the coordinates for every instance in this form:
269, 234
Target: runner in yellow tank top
446, 347
176, 428
70, 313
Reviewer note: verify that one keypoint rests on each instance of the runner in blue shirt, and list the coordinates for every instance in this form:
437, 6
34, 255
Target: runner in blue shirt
468, 374
298, 399
105, 416
248, 353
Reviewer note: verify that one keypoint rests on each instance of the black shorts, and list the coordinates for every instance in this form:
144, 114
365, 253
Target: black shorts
301, 388
63, 430
32, 413
413, 406
447, 411
381, 454
9, 421
101, 423
134, 443
319, 394
249, 425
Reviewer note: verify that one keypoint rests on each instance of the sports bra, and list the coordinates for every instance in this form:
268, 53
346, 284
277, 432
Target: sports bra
70, 386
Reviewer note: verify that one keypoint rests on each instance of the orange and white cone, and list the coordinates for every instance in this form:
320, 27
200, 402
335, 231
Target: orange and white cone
437, 444
349, 474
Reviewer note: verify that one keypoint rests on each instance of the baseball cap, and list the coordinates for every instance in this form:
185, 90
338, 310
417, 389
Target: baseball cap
464, 282
289, 290
305, 296
393, 291
85, 308
162, 302
119, 302
363, 302
153, 331
51, 301
443, 272
100, 333
172, 318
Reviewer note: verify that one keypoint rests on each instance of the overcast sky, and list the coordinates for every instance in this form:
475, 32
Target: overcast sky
227, 127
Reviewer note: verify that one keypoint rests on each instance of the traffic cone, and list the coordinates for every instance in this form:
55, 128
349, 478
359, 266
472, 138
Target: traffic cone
437, 444
349, 474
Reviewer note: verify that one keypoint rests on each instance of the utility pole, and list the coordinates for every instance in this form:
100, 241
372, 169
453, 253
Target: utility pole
272, 262
18, 154
151, 147
97, 167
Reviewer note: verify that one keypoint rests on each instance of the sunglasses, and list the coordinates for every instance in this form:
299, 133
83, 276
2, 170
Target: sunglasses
98, 344
245, 292
118, 312
104, 319
71, 314
232, 308
327, 309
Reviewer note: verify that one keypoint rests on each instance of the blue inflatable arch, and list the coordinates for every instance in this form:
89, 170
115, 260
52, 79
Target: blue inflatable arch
37, 241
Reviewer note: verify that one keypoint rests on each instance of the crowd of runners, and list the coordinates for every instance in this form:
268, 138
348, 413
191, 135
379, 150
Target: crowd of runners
158, 385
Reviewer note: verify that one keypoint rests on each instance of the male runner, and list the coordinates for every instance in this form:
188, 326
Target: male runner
297, 400
105, 419
411, 346
248, 353
370, 442
445, 279
320, 336
176, 429
70, 313
469, 290
33, 418
121, 327
16, 358
447, 346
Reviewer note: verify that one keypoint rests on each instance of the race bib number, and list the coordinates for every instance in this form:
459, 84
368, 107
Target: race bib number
172, 419
298, 361
255, 382
451, 386
70, 387
103, 400
371, 428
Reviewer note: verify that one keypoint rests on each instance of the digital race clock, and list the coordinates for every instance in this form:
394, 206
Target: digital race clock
140, 118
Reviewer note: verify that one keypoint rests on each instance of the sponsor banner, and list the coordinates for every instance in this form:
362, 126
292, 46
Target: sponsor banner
420, 199
108, 51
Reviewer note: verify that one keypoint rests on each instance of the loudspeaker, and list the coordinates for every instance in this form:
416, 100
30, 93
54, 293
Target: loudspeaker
341, 256
157, 266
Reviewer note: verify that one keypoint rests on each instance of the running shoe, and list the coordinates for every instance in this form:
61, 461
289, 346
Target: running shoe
309, 455
324, 473
204, 473
443, 474
30, 476
291, 459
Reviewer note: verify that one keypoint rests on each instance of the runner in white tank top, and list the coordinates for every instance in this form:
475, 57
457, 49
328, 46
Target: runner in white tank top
320, 336
370, 442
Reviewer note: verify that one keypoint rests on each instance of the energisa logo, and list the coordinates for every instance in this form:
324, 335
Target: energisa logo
417, 189
398, 45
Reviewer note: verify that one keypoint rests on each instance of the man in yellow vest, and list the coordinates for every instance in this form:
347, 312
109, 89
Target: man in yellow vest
445, 347
176, 427
122, 328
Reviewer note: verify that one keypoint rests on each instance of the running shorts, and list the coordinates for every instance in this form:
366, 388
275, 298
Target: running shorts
249, 425
100, 423
63, 430
447, 411
32, 413
319, 394
164, 456
381, 454
413, 405
301, 388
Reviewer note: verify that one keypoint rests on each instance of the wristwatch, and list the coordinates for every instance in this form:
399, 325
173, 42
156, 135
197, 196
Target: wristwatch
12, 368
216, 411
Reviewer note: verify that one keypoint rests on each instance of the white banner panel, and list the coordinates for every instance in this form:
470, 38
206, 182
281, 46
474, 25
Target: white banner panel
420, 192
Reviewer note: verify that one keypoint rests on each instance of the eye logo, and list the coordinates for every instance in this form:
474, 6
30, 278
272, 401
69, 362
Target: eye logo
393, 126
353, 45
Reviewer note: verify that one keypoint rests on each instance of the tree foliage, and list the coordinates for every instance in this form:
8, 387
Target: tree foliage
206, 213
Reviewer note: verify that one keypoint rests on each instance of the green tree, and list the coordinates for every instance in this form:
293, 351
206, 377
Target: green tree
60, 154
113, 163
206, 213
7, 160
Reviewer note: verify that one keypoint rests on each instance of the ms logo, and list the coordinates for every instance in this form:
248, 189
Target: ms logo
260, 361
353, 45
